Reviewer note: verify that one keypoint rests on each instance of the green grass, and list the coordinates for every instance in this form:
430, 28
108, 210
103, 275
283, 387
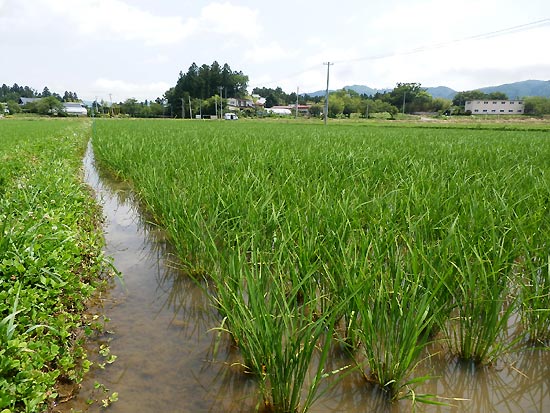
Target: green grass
50, 259
301, 229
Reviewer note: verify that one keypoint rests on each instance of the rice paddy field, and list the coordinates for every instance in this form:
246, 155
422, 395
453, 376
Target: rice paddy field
346, 263
353, 250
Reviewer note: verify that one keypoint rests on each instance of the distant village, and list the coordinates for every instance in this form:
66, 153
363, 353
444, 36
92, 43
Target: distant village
232, 102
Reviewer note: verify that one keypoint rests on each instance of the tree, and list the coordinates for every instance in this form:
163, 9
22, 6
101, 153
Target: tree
461, 97
537, 105
497, 96
271, 100
157, 109
70, 97
49, 106
441, 105
46, 92
315, 110
13, 107
204, 82
130, 107
405, 94
273, 97
380, 106
335, 106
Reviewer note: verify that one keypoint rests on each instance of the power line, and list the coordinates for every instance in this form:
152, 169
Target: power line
483, 36
420, 49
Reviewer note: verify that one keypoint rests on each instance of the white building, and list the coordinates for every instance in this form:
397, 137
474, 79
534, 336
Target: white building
75, 109
230, 116
495, 107
279, 110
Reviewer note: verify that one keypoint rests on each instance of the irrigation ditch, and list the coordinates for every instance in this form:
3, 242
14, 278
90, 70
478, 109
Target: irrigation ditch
160, 332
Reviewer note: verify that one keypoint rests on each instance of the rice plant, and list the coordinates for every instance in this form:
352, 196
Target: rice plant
300, 230
395, 315
278, 332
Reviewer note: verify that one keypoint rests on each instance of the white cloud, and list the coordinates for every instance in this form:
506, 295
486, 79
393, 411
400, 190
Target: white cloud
117, 19
120, 89
228, 19
269, 52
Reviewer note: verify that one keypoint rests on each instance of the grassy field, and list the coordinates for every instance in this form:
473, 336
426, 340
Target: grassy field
380, 239
50, 260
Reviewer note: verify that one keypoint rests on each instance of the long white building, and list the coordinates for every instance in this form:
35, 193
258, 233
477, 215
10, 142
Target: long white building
495, 107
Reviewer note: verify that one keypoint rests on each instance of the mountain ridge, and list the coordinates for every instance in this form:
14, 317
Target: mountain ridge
515, 90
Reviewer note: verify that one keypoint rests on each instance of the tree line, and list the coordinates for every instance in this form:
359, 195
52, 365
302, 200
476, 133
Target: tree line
204, 90
11, 95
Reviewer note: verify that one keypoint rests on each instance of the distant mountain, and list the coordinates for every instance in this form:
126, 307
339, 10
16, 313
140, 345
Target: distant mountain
523, 89
318, 93
365, 90
512, 90
441, 92
361, 89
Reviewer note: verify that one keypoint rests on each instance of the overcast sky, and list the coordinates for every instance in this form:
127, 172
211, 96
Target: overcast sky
137, 48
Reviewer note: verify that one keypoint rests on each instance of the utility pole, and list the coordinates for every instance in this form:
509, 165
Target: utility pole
182, 109
328, 64
404, 94
221, 101
297, 93
190, 109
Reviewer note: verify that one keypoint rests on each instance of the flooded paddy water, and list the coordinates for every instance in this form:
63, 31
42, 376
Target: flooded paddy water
162, 322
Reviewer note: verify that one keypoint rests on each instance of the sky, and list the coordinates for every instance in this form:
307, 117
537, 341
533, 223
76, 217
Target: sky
120, 49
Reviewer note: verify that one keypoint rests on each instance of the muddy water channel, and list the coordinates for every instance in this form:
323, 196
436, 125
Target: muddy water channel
162, 323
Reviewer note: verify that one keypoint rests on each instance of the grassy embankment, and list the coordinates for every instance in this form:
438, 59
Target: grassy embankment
50, 260
380, 239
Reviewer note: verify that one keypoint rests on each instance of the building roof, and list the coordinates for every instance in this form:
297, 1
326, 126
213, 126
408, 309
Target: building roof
24, 101
75, 108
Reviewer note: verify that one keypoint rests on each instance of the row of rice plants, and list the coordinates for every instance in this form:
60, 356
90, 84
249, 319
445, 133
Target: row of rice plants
50, 258
388, 237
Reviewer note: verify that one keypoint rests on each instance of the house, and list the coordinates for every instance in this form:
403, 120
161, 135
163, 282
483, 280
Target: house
259, 101
75, 109
237, 104
302, 109
495, 107
24, 101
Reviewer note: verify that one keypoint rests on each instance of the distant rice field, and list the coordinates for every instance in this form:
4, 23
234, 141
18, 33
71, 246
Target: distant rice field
380, 240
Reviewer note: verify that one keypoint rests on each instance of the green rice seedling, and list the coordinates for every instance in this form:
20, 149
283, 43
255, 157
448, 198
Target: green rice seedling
277, 330
484, 304
535, 299
395, 312
403, 217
